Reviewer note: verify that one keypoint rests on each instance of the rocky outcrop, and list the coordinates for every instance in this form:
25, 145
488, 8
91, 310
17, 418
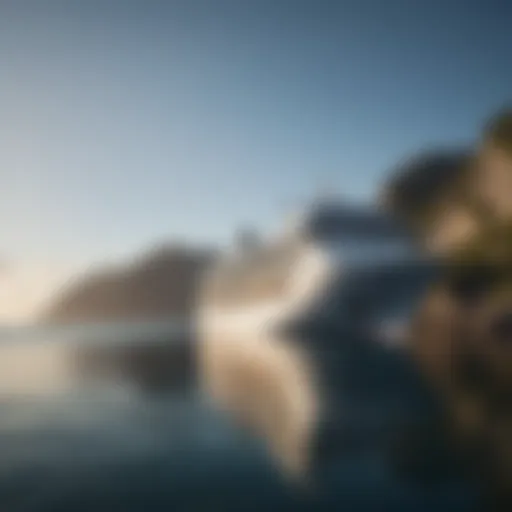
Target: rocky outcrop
460, 205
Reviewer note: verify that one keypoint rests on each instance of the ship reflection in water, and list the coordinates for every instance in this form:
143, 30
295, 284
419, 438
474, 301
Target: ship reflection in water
102, 430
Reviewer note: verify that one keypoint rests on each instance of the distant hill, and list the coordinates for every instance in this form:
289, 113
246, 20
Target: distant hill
160, 284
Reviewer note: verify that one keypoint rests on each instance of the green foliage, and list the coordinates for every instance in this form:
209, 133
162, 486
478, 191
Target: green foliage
493, 245
421, 189
489, 252
499, 130
418, 185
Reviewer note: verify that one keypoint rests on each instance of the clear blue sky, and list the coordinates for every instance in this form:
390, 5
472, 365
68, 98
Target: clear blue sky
122, 123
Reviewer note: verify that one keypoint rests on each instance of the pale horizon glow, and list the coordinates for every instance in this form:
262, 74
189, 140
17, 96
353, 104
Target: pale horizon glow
25, 291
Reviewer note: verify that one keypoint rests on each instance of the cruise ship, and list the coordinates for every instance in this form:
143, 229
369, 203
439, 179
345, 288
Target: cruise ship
270, 306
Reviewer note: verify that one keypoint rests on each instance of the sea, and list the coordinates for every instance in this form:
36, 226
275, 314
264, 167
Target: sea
71, 442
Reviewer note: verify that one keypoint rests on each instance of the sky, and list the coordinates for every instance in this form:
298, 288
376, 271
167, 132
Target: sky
125, 123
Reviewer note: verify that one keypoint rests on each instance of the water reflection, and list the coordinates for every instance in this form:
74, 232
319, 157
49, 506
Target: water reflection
117, 358
73, 437
34, 369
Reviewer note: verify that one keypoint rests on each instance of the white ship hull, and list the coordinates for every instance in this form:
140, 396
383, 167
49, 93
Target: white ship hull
264, 380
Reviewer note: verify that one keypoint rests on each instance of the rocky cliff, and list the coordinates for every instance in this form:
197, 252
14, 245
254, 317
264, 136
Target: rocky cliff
460, 204
160, 284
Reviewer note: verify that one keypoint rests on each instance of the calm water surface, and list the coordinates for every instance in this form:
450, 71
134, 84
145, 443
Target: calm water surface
74, 444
